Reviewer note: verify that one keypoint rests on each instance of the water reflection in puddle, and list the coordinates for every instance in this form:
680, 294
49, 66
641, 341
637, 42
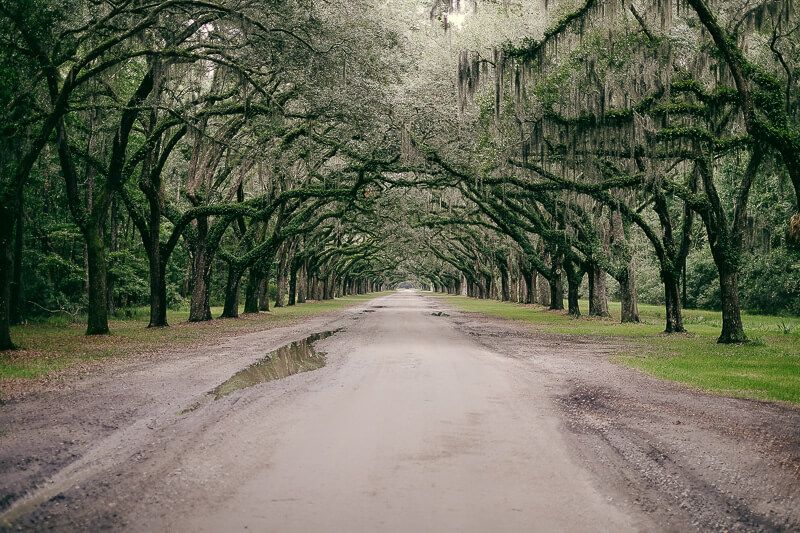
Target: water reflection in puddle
293, 358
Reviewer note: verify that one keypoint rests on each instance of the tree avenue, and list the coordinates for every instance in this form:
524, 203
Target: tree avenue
249, 153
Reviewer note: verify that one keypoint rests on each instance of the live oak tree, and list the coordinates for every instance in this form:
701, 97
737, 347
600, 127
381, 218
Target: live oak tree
605, 92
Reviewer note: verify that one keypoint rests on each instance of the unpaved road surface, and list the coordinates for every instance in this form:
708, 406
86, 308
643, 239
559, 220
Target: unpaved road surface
416, 423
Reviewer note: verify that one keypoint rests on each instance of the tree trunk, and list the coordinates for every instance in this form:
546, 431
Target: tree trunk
6, 225
629, 301
302, 284
732, 327
313, 288
158, 288
574, 278
672, 303
330, 286
231, 308
97, 323
726, 244
293, 286
263, 294
598, 295
530, 287
112, 246
556, 286
251, 293
542, 295
15, 303
199, 305
573, 294
280, 282
557, 294
505, 290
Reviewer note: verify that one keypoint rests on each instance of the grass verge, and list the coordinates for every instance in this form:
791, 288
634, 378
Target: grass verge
48, 347
767, 368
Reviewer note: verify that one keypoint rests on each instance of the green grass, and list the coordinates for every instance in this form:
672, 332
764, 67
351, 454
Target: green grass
768, 368
52, 346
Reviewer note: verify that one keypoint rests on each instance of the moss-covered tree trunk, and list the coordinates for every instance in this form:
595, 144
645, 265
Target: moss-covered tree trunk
629, 300
542, 295
263, 294
15, 303
199, 305
231, 307
91, 210
280, 281
505, 290
97, 262
157, 258
574, 278
598, 293
626, 276
302, 284
529, 278
330, 285
255, 281
158, 289
313, 288
556, 284
293, 284
672, 303
732, 327
6, 225
725, 240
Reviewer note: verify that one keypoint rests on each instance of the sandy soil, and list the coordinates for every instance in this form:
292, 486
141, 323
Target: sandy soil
417, 423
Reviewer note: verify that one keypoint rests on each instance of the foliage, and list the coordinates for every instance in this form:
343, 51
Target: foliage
199, 154
771, 283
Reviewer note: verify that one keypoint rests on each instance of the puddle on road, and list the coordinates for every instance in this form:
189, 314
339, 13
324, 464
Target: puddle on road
293, 358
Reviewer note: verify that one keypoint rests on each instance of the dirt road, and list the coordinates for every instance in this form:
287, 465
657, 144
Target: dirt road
416, 422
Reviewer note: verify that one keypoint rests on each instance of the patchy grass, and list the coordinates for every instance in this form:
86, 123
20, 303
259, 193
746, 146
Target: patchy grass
48, 347
767, 368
